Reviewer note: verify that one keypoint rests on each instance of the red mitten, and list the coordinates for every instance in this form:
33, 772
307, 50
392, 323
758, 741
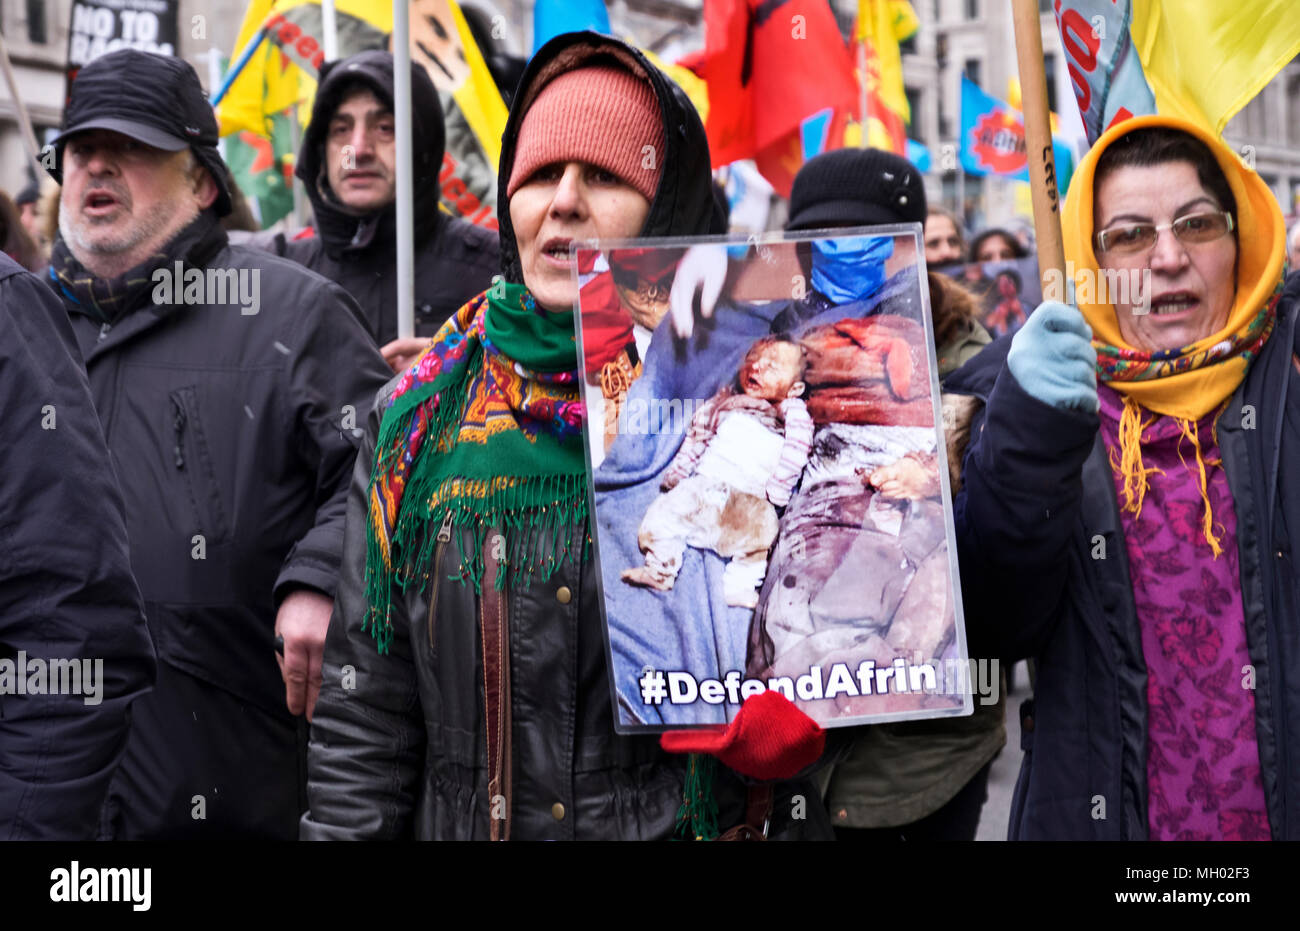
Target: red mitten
768, 739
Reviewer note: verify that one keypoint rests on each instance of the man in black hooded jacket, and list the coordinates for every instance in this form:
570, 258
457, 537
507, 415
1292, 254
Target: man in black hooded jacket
348, 166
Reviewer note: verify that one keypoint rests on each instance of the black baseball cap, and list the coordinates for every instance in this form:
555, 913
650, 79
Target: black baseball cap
856, 187
155, 99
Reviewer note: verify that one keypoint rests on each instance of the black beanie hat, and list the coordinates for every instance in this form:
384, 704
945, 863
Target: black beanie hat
858, 187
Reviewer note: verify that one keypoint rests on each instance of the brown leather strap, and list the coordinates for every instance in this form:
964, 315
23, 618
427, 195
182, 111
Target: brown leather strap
495, 627
758, 814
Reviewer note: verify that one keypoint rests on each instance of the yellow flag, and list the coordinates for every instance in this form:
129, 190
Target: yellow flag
882, 24
282, 70
1205, 61
269, 83
477, 96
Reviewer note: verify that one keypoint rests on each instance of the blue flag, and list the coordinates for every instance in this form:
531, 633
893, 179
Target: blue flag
993, 139
554, 17
918, 155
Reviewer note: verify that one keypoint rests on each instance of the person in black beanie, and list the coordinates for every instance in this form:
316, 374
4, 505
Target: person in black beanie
871, 187
916, 780
856, 187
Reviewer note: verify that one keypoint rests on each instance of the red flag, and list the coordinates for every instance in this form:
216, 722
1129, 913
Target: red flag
769, 65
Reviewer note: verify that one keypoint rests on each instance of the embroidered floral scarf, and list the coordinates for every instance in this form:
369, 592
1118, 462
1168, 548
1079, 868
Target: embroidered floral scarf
483, 432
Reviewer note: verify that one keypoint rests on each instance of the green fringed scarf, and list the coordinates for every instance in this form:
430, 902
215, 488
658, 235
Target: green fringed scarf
483, 431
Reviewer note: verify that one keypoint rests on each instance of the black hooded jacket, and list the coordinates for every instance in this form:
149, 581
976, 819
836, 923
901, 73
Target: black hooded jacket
67, 596
399, 748
454, 260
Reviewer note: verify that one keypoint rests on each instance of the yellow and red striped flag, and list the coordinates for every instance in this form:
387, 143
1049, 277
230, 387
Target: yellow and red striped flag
881, 26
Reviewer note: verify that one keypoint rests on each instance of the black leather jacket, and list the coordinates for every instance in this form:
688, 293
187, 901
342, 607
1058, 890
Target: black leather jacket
399, 741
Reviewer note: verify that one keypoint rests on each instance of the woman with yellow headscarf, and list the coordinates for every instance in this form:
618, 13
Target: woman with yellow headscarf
1126, 517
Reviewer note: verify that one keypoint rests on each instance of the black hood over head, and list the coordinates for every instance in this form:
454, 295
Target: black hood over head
684, 203
339, 229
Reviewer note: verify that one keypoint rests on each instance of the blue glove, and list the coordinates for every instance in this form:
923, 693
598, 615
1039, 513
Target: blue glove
1053, 360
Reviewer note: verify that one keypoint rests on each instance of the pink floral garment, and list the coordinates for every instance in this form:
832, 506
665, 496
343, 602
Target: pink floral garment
1203, 778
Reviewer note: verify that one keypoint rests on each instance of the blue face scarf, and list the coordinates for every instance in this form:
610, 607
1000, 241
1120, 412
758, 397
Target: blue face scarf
850, 269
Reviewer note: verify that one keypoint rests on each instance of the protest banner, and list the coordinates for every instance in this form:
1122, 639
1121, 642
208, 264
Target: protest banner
771, 492
1008, 291
97, 27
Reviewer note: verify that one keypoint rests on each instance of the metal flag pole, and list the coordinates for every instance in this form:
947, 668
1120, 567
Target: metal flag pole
214, 80
330, 30
24, 121
405, 185
961, 196
299, 212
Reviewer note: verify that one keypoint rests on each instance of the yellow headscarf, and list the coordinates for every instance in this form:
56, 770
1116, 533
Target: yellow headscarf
1190, 394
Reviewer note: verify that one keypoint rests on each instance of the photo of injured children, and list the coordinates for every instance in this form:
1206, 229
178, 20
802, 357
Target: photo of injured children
769, 510
745, 450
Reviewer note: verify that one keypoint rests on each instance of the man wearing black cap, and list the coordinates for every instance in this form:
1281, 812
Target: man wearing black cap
348, 165
228, 382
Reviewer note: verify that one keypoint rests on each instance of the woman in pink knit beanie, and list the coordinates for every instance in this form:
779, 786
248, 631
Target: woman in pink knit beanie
587, 165
466, 689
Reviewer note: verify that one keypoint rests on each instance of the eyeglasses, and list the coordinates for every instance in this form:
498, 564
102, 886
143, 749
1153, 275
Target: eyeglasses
1195, 228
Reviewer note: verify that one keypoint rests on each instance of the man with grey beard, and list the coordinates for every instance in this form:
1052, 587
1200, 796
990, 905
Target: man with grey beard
227, 381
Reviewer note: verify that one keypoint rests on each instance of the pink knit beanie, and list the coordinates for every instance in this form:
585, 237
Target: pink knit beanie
599, 114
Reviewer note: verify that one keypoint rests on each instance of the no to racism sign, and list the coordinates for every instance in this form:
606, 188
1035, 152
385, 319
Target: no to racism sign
102, 26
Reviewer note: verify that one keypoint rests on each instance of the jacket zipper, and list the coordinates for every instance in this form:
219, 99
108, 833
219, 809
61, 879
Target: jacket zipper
444, 536
178, 424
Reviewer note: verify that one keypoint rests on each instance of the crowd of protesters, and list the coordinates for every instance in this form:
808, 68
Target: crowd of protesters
275, 532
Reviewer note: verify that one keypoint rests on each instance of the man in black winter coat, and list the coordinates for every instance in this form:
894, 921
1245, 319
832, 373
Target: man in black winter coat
227, 381
74, 650
348, 166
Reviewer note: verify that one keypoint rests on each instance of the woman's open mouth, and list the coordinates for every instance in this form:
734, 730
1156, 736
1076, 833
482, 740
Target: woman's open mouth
1175, 303
556, 251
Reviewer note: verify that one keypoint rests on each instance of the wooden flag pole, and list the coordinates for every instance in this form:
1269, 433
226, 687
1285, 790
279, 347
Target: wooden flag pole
1038, 142
20, 110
